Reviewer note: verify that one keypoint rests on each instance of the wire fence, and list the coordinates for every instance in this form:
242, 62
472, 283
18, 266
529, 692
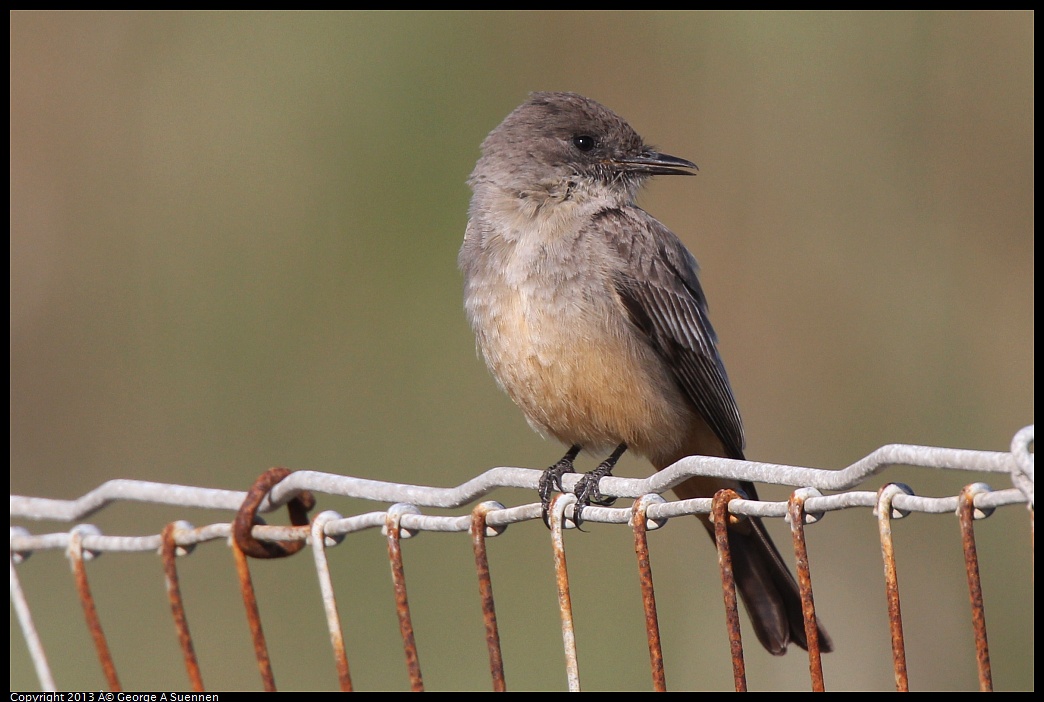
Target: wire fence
249, 539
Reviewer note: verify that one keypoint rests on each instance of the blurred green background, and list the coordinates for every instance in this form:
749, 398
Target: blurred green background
233, 244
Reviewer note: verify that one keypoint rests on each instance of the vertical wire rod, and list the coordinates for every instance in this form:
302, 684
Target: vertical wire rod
90, 612
402, 605
720, 517
253, 614
556, 517
489, 612
796, 511
966, 515
895, 615
333, 617
168, 554
652, 624
25, 620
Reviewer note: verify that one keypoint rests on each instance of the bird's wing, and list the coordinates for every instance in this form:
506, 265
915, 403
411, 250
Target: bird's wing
660, 287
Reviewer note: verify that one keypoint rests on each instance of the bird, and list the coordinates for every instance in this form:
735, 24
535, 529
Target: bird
590, 315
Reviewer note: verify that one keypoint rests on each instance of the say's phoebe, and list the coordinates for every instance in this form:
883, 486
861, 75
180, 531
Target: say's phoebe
591, 317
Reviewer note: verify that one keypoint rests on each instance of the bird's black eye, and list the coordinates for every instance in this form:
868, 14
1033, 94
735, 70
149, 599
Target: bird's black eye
584, 142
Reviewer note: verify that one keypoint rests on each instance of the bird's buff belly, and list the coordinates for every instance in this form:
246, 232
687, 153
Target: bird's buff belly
580, 376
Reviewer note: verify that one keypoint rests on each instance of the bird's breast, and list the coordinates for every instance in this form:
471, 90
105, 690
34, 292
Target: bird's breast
555, 335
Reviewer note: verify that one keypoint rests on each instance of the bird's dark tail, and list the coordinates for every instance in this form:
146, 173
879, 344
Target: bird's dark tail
768, 590
765, 584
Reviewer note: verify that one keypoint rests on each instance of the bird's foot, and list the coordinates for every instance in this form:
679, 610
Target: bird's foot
586, 490
551, 480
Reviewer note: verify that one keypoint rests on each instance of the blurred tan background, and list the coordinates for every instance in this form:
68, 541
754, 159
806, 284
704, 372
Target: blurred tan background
233, 246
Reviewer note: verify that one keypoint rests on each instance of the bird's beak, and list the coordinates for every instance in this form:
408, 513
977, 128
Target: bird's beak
655, 163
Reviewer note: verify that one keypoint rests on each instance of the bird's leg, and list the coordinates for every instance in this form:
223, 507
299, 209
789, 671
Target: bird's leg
586, 490
552, 477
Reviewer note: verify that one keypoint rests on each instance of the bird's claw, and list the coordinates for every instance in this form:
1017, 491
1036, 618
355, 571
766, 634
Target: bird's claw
586, 489
551, 480
587, 492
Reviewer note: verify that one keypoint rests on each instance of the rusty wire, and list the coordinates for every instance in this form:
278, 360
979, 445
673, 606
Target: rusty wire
895, 615
394, 534
640, 525
245, 544
169, 553
489, 610
77, 556
797, 519
253, 614
403, 520
720, 516
246, 517
967, 514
